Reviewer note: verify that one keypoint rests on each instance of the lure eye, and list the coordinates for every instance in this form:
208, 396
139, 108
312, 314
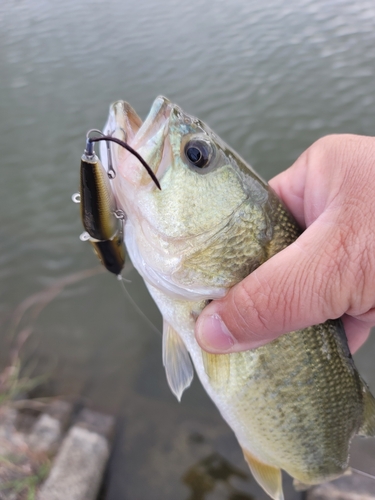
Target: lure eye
198, 152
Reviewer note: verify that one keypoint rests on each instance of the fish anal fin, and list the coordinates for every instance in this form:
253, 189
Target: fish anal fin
217, 367
268, 476
176, 360
368, 425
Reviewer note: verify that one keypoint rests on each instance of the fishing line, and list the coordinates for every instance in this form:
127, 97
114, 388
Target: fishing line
131, 150
136, 306
362, 473
89, 151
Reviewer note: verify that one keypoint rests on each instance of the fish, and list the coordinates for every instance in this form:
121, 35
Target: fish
294, 404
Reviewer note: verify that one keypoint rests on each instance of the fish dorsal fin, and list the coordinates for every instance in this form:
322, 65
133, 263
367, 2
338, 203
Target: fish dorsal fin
217, 367
368, 426
267, 476
176, 360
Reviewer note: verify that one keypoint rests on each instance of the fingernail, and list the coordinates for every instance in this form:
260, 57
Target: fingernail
213, 334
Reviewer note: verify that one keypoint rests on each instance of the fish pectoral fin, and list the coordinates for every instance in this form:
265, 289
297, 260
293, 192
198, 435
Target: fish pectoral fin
217, 367
368, 425
267, 476
176, 360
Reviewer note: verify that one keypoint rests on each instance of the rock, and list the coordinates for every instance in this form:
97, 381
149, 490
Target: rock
8, 495
349, 487
45, 435
78, 468
10, 438
48, 428
8, 418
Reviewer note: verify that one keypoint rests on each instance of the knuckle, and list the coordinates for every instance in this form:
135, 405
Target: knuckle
345, 271
362, 277
333, 270
251, 306
267, 307
289, 300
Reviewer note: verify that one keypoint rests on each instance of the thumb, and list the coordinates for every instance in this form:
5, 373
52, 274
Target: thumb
296, 288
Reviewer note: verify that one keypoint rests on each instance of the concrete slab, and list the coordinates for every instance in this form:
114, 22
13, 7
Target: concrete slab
78, 468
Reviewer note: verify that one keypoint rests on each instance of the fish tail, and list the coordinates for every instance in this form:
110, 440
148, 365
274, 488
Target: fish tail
368, 425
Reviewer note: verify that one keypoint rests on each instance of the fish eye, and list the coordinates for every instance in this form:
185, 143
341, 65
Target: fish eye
198, 152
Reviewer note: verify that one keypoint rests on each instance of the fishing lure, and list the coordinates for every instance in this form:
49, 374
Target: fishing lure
102, 221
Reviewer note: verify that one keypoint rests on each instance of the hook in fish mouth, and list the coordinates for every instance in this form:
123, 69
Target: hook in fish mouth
90, 140
149, 141
124, 124
152, 138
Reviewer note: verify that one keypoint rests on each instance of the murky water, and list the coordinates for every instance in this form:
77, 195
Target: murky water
269, 78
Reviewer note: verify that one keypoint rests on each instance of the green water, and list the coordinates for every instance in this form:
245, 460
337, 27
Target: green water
269, 78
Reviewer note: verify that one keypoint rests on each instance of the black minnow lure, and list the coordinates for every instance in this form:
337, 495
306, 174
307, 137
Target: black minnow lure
99, 215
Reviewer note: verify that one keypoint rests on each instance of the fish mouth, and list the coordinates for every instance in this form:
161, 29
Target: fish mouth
149, 139
152, 139
158, 139
123, 122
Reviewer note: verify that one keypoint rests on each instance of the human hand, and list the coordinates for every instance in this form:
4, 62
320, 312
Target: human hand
328, 272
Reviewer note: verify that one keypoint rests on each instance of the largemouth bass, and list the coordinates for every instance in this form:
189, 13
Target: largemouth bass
293, 404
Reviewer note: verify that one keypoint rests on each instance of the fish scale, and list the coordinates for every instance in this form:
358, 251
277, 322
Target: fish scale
254, 396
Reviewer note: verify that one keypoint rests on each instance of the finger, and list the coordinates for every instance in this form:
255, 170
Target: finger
306, 186
357, 332
290, 187
294, 289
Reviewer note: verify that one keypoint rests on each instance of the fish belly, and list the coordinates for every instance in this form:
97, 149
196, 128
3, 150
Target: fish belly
294, 404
